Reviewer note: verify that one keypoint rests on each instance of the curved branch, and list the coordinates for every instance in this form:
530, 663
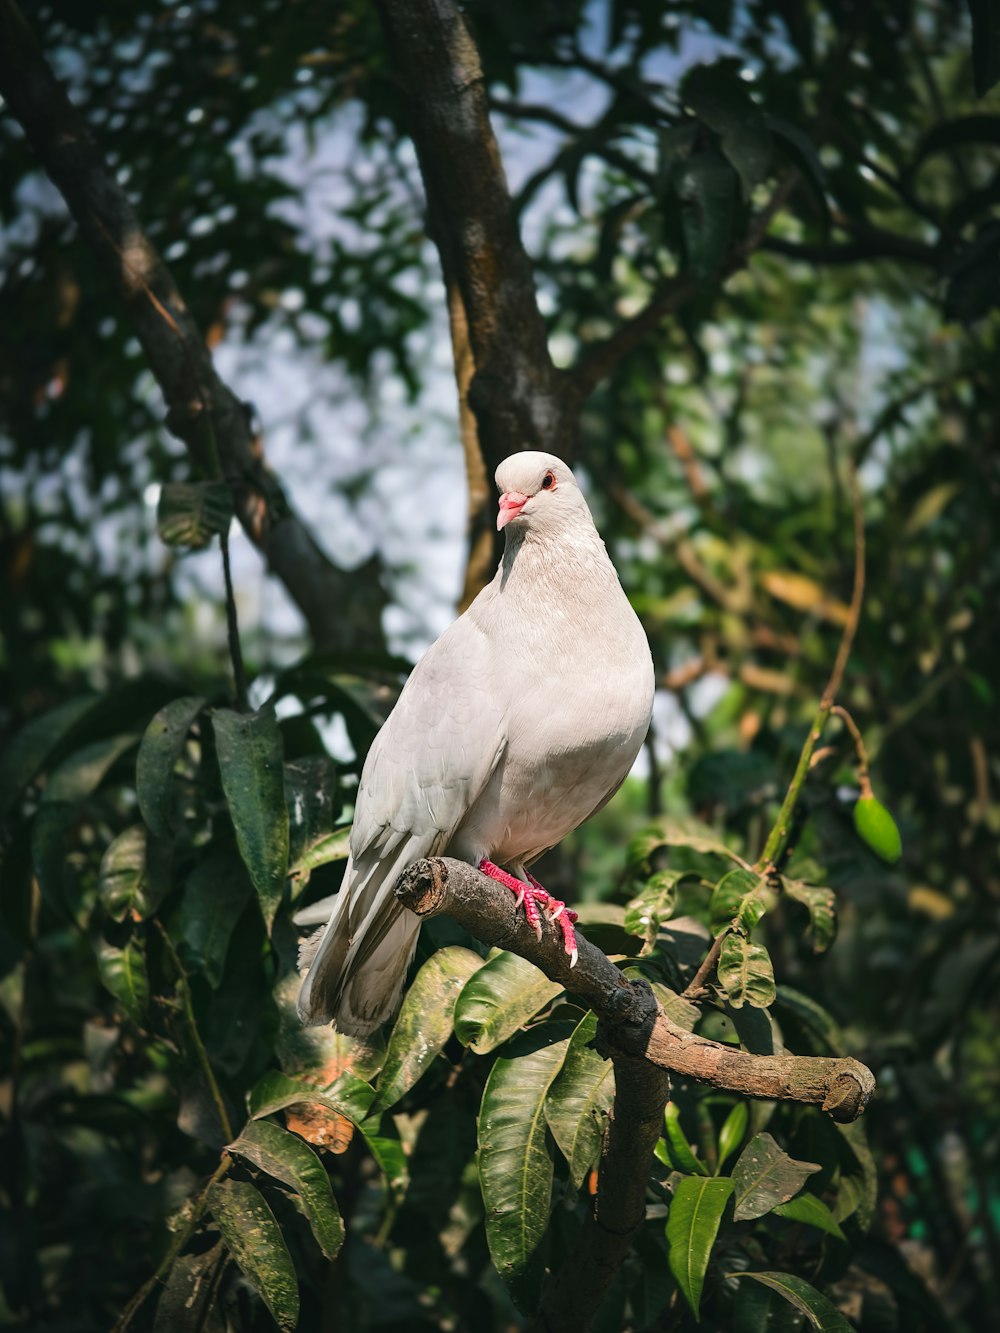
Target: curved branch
202, 411
841, 1086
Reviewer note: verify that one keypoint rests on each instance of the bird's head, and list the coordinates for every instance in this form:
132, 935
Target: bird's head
537, 492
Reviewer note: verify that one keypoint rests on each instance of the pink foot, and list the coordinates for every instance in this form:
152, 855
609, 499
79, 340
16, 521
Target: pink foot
534, 896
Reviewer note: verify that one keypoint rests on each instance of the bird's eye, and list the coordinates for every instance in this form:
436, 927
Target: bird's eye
548, 481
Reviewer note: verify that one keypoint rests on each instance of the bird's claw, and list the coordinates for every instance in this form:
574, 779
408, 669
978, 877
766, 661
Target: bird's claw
532, 896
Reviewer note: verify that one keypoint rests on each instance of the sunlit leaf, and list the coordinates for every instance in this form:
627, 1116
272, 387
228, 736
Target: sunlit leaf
805, 1298
745, 972
821, 904
425, 1021
123, 971
252, 768
579, 1100
191, 513
498, 999
810, 1210
255, 1241
288, 1159
159, 751
679, 1153
134, 875
692, 1225
764, 1175
653, 905
804, 594
740, 898
688, 833
349, 1096
732, 1133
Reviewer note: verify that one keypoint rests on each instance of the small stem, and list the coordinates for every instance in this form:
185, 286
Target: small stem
697, 983
199, 1045
235, 652
779, 833
181, 1237
859, 745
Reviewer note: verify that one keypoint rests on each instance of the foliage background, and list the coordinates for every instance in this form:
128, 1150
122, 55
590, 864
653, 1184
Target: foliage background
142, 997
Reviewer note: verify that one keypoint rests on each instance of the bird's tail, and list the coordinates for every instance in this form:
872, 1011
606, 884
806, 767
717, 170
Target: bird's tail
354, 972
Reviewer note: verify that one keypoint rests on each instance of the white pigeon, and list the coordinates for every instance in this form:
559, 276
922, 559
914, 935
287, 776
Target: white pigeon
519, 723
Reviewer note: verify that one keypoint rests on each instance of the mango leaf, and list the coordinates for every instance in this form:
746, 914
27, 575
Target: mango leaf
24, 756
758, 1307
765, 1175
745, 972
251, 765
821, 905
679, 1154
389, 1155
740, 898
82, 773
579, 1100
498, 999
675, 833
134, 875
286, 1158
985, 44
692, 1226
858, 1193
123, 972
191, 513
515, 1168
734, 1127
255, 1241
706, 187
314, 800
159, 751
332, 846
721, 100
188, 1299
349, 1096
653, 905
680, 1011
876, 827
215, 895
814, 1212
805, 1298
425, 1021
814, 1018
797, 145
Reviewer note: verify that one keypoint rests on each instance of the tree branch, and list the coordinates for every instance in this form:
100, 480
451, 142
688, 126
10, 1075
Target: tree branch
199, 405
442, 885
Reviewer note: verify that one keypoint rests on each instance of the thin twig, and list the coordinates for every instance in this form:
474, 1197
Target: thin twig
859, 746
697, 983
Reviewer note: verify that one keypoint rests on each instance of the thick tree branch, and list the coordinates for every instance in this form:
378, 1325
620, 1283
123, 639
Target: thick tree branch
201, 410
442, 885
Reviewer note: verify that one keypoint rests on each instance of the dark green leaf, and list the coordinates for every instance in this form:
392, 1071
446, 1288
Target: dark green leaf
680, 1011
425, 1021
135, 874
388, 1153
706, 187
159, 751
83, 772
255, 1241
579, 1100
515, 1168
721, 100
23, 757
191, 513
801, 149
964, 130
821, 904
188, 1299
814, 1018
765, 1175
679, 1152
215, 895
692, 1226
814, 1212
740, 898
501, 996
252, 768
876, 827
745, 972
349, 1096
123, 971
758, 1308
313, 796
288, 1159
805, 1298
985, 44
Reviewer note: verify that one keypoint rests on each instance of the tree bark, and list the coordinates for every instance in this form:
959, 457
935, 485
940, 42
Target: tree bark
342, 608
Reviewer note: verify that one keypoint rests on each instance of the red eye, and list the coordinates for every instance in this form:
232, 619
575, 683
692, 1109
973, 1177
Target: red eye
548, 481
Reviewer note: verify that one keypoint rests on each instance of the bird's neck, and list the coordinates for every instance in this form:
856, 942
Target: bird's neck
560, 566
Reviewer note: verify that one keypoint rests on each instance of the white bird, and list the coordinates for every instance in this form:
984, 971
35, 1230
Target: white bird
520, 722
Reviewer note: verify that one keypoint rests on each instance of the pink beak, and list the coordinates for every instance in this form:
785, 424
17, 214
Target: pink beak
510, 507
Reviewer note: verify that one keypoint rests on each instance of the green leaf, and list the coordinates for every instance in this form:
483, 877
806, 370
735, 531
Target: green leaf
25, 755
821, 905
255, 1241
797, 145
985, 16
389, 1155
134, 875
721, 100
765, 1175
498, 999
679, 1153
159, 752
83, 772
734, 1127
188, 1298
654, 904
215, 896
680, 1011
425, 1021
740, 898
515, 1168
814, 1212
674, 833
348, 1096
745, 972
123, 972
251, 764
758, 1308
314, 800
706, 186
579, 1101
814, 1018
805, 1298
876, 827
974, 276
692, 1226
191, 513
288, 1159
